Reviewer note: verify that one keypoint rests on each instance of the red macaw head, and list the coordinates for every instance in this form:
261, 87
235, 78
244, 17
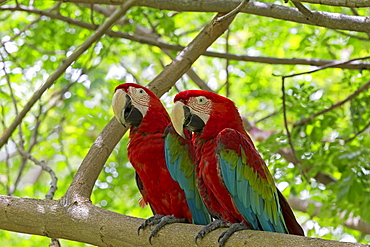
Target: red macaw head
131, 103
204, 112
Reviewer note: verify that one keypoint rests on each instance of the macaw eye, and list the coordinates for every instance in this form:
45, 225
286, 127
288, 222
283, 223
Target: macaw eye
141, 91
201, 100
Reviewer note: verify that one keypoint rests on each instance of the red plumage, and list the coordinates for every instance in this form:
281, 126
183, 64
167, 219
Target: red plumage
207, 171
146, 154
221, 119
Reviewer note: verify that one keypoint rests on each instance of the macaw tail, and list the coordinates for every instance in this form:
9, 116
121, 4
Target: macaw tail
290, 220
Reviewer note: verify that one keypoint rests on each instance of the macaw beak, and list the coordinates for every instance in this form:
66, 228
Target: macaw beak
178, 118
125, 112
183, 117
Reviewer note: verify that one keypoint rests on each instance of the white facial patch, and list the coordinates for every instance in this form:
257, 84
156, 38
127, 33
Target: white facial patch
140, 99
201, 106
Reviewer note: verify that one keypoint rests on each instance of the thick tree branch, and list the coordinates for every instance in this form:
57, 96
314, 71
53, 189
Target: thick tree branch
84, 222
66, 63
341, 3
322, 18
150, 41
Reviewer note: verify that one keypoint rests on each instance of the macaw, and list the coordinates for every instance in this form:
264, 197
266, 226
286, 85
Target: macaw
233, 180
139, 108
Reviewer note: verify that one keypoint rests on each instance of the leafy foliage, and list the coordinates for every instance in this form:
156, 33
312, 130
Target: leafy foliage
67, 119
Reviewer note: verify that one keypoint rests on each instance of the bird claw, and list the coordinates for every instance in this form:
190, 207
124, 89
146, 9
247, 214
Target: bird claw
161, 221
150, 222
209, 228
233, 228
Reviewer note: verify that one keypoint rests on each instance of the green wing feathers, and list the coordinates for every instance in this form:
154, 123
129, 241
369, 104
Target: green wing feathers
249, 182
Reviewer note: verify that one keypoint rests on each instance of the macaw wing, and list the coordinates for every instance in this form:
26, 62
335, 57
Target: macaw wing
249, 182
180, 158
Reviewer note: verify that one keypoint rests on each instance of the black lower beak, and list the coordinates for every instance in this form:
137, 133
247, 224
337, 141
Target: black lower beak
131, 114
192, 122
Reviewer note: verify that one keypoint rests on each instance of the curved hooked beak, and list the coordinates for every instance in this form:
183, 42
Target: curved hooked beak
182, 117
125, 112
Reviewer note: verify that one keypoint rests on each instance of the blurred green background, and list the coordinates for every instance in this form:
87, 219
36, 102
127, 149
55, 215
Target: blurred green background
64, 123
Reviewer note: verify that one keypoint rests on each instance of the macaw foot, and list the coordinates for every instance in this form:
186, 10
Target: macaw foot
150, 222
210, 227
233, 228
160, 221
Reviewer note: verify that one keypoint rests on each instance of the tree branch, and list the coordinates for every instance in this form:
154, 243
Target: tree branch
326, 66
67, 62
149, 41
341, 3
233, 12
84, 222
296, 160
358, 133
45, 167
351, 96
323, 19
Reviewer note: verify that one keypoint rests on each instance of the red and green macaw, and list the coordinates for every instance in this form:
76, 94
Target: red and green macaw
139, 108
233, 180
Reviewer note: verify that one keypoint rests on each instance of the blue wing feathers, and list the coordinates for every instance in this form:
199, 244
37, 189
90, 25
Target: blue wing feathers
181, 168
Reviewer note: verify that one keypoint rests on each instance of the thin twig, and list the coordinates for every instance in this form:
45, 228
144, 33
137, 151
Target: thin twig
191, 73
19, 174
7, 154
54, 179
297, 163
7, 78
358, 133
227, 81
27, 27
355, 12
92, 14
351, 35
306, 12
67, 62
33, 138
22, 31
62, 148
21, 140
55, 243
267, 117
326, 66
231, 13
129, 71
351, 96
